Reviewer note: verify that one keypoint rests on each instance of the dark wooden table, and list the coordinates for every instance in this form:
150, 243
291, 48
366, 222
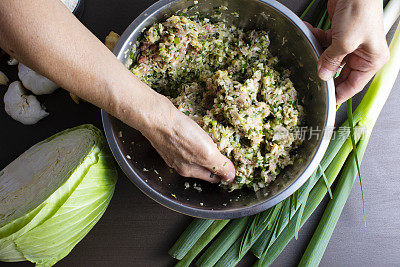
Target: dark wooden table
136, 231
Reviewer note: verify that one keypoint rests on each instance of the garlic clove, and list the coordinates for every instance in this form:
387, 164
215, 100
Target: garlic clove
22, 107
111, 40
33, 81
3, 78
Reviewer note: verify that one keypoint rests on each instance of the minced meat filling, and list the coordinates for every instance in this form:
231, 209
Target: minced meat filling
224, 78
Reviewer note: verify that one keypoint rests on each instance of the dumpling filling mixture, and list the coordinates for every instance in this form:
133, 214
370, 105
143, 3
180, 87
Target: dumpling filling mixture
224, 78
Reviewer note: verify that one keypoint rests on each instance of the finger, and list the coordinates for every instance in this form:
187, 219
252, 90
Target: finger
196, 171
323, 37
331, 59
367, 60
355, 82
344, 74
204, 174
166, 159
221, 166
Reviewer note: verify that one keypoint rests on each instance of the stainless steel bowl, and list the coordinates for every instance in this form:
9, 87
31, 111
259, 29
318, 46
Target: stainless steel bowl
296, 49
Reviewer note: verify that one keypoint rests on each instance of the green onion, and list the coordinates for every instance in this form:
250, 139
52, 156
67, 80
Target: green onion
391, 14
322, 20
326, 181
334, 148
353, 142
267, 237
189, 237
279, 224
208, 235
327, 24
321, 237
315, 197
256, 226
319, 17
223, 242
303, 202
307, 9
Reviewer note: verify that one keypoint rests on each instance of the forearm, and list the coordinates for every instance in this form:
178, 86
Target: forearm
55, 44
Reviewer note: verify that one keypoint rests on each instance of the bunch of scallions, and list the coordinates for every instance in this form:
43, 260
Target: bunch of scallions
266, 234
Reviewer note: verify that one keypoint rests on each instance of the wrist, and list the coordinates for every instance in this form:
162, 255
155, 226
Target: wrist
158, 116
139, 106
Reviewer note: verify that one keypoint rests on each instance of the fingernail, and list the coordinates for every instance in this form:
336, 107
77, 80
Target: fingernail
325, 74
216, 180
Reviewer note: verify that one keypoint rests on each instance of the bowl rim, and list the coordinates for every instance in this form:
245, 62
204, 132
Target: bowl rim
232, 213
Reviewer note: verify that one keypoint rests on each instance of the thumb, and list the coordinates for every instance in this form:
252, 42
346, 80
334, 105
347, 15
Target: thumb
330, 61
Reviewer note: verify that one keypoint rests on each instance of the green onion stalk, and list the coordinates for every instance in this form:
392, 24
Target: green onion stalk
266, 234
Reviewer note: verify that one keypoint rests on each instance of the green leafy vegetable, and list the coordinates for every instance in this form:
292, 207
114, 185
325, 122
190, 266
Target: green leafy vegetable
304, 201
53, 194
208, 235
353, 142
223, 242
326, 181
189, 237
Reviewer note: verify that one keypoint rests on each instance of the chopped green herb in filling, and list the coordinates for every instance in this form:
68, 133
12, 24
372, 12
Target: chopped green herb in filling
224, 79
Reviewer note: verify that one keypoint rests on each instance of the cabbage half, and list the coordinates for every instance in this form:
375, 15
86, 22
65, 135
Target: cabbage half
53, 194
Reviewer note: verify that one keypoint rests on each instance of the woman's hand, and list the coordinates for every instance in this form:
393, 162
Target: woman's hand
356, 40
185, 146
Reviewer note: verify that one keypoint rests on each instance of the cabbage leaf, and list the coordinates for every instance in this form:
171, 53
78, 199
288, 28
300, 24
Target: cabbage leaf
53, 194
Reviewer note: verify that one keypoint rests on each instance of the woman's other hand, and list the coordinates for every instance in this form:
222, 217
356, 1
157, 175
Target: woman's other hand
355, 40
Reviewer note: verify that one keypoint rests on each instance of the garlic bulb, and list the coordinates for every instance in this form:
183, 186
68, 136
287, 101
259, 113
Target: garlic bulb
38, 84
21, 107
